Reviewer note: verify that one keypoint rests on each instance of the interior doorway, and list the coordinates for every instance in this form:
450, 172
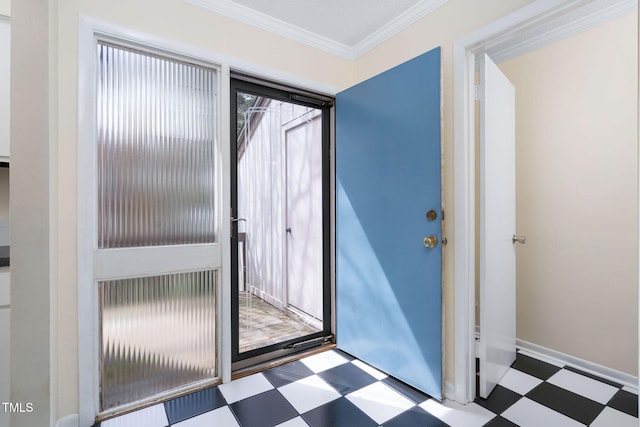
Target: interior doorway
553, 201
527, 29
280, 242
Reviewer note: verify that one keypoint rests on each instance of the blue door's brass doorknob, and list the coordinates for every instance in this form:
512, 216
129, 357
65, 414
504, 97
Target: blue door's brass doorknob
430, 241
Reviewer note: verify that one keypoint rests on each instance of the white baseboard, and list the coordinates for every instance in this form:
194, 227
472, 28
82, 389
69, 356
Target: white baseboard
68, 421
559, 358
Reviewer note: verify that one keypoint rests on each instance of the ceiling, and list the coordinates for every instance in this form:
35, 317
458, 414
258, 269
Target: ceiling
348, 28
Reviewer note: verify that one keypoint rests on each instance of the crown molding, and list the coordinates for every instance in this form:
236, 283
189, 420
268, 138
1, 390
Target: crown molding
276, 26
586, 15
293, 32
399, 23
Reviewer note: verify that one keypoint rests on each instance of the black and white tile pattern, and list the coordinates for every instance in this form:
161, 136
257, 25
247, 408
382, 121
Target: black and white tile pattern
334, 389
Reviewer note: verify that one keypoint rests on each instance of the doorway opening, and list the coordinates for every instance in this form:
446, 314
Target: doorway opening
527, 29
280, 225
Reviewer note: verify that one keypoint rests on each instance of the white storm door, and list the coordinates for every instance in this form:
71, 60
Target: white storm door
304, 214
497, 349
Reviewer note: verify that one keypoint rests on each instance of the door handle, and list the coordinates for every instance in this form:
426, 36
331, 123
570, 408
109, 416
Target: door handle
430, 241
519, 239
238, 219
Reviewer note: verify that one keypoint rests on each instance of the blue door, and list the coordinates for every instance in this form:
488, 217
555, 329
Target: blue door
388, 174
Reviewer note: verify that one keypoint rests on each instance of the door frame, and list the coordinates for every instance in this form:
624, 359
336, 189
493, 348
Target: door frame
88, 29
325, 105
536, 25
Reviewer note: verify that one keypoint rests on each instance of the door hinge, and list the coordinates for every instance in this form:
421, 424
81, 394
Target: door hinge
476, 90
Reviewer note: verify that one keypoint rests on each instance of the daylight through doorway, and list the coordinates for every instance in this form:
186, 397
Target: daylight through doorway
279, 286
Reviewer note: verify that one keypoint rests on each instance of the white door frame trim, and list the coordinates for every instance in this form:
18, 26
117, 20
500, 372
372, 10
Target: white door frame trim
531, 27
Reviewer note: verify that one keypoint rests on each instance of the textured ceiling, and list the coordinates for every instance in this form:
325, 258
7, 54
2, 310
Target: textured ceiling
345, 27
344, 21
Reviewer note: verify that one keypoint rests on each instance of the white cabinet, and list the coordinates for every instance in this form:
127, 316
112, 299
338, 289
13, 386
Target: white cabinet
5, 69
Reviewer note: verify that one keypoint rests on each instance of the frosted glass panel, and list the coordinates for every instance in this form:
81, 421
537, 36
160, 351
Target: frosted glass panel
157, 333
156, 150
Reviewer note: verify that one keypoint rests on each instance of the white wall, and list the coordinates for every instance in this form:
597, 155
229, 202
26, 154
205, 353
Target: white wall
5, 7
577, 280
262, 198
261, 177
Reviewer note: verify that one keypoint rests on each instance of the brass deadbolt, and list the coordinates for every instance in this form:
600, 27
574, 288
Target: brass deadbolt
430, 241
432, 215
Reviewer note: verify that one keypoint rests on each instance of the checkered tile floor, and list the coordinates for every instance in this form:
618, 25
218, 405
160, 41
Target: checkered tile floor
334, 389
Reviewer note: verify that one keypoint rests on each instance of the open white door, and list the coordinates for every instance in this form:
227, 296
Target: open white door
497, 347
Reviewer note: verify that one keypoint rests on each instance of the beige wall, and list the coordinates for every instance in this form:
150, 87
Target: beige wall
178, 21
5, 9
31, 368
443, 27
185, 23
576, 109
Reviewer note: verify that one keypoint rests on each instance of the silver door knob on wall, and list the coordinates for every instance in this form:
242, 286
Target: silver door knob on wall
519, 239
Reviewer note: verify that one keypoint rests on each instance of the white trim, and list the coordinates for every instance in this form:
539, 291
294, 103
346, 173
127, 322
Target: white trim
535, 25
120, 263
556, 25
293, 32
88, 385
464, 224
224, 294
274, 25
395, 26
68, 421
561, 359
119, 32
93, 264
88, 29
